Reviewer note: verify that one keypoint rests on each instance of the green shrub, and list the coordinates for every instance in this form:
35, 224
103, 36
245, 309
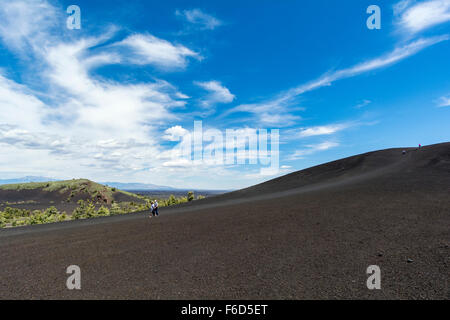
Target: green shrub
103, 212
51, 211
11, 213
115, 209
2, 220
18, 223
172, 200
78, 212
37, 217
90, 210
183, 200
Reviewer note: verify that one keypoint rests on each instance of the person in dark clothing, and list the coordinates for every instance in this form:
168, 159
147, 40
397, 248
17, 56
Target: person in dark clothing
152, 209
155, 208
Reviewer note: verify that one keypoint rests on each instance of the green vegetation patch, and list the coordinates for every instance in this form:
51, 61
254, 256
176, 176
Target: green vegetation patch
14, 217
75, 187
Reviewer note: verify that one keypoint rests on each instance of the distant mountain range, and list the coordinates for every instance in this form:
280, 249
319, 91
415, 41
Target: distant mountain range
137, 186
118, 185
26, 179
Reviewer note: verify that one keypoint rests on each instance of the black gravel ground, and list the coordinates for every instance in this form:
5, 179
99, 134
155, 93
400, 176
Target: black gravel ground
308, 235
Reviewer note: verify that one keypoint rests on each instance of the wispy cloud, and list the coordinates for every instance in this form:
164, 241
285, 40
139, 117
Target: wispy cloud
100, 103
363, 104
261, 176
18, 106
149, 49
444, 101
199, 18
285, 100
414, 17
27, 24
217, 93
323, 130
312, 148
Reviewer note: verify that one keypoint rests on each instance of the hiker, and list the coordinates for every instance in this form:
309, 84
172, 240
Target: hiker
152, 208
155, 208
420, 146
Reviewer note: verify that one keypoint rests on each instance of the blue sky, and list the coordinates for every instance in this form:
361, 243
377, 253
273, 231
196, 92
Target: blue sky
112, 100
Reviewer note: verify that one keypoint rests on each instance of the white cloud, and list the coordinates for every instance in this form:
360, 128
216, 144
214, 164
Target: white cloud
392, 57
217, 93
149, 49
105, 107
400, 6
312, 148
200, 18
178, 163
322, 130
27, 24
270, 113
175, 133
444, 101
18, 106
88, 125
263, 176
415, 17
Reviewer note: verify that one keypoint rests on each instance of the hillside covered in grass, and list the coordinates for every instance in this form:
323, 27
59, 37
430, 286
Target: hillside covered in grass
53, 201
67, 191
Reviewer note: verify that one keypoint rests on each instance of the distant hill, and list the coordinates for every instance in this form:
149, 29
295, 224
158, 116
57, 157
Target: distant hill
118, 185
67, 192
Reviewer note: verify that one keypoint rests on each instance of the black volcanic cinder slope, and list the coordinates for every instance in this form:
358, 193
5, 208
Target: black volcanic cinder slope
434, 158
310, 234
432, 162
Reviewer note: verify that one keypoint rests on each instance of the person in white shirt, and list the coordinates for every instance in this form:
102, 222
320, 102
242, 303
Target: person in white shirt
152, 208
155, 208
